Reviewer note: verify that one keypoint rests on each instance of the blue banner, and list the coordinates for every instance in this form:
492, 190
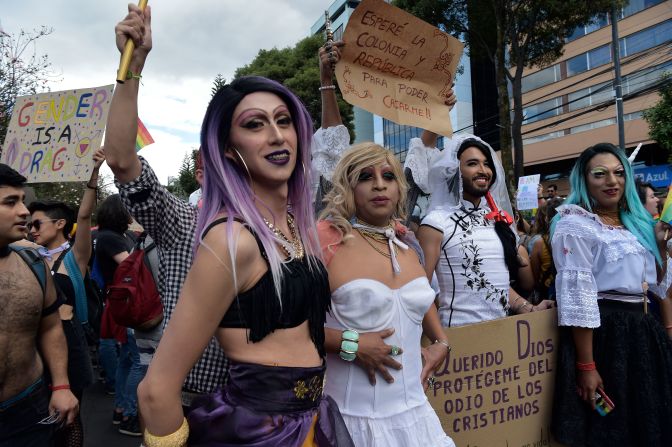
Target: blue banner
659, 176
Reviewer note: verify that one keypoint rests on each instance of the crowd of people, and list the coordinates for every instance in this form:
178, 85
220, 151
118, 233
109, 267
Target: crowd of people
285, 326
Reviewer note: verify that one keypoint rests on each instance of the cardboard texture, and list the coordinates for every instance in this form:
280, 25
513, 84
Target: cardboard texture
495, 388
397, 66
52, 136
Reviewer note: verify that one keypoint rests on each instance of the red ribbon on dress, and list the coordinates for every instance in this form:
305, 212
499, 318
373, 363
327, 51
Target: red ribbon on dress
497, 214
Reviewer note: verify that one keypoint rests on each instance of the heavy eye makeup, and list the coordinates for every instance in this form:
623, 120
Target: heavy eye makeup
600, 172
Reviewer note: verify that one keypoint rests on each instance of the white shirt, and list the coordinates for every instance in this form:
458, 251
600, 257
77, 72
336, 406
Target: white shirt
473, 277
592, 257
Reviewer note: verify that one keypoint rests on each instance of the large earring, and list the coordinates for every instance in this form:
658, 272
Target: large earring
242, 160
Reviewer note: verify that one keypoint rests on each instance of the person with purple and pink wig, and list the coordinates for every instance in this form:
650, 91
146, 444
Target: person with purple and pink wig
257, 282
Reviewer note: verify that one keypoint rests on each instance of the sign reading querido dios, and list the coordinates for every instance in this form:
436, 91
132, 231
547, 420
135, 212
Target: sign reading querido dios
52, 136
495, 388
397, 66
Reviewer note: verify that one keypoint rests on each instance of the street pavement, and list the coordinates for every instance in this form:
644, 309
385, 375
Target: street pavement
97, 417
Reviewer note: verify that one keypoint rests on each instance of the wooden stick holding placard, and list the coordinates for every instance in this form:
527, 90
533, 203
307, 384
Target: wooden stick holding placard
128, 52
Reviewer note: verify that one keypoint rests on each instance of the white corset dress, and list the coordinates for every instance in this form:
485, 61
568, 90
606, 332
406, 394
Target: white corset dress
386, 414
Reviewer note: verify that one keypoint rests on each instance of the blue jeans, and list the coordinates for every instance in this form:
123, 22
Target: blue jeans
108, 356
19, 420
129, 374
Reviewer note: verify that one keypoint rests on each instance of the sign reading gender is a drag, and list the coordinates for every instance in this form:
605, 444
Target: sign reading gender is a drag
495, 388
397, 66
52, 136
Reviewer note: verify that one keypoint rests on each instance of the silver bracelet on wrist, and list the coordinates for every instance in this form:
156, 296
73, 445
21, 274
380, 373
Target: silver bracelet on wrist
327, 87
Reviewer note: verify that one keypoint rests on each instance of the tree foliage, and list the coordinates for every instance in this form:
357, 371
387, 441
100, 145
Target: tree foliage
219, 82
70, 192
22, 70
185, 183
514, 35
298, 69
659, 117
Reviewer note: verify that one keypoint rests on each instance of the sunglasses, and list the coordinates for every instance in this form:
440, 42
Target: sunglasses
37, 223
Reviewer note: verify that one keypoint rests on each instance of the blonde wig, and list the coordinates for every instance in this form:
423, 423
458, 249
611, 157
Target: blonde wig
340, 201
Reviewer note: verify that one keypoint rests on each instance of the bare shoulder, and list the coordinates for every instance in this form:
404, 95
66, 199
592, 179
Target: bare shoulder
219, 239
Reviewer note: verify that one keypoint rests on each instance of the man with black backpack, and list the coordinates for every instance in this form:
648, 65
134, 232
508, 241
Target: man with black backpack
31, 334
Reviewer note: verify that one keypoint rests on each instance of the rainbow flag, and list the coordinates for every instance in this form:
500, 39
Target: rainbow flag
143, 138
666, 214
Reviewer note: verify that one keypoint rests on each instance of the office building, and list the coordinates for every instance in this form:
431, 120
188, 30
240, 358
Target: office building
569, 105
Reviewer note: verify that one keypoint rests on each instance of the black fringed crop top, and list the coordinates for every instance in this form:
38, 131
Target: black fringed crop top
305, 295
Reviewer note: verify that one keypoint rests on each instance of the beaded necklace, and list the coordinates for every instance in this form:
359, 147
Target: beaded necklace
293, 248
384, 235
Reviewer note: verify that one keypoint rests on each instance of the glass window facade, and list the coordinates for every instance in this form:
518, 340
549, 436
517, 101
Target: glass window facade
602, 20
542, 77
629, 45
397, 137
542, 110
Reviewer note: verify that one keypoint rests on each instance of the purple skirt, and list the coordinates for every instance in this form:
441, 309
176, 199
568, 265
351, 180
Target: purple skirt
267, 406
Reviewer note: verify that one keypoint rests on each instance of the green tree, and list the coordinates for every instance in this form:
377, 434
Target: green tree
527, 33
659, 117
219, 82
185, 183
298, 69
22, 70
70, 192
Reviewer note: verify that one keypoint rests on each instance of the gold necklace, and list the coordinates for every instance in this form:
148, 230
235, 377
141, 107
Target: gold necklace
366, 237
611, 218
293, 248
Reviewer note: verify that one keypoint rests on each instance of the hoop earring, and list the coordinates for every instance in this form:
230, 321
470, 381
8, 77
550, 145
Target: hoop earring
242, 160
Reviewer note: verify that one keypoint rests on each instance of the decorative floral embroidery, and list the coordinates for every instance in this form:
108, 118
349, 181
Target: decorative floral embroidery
472, 262
300, 389
567, 251
312, 390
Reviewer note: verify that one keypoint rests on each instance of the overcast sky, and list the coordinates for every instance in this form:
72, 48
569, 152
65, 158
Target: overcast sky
193, 41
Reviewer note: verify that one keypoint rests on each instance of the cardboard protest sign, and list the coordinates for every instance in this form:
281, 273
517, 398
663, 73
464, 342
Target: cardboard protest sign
52, 136
496, 385
397, 66
527, 196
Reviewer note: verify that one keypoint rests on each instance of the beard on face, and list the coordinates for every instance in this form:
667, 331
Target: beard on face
472, 190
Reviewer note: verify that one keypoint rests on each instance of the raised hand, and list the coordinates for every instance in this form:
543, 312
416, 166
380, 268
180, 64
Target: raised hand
137, 25
330, 54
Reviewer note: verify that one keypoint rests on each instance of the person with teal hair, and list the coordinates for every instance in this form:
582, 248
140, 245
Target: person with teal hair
607, 249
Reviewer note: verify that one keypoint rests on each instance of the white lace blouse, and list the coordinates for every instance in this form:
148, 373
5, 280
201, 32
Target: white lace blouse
592, 257
328, 146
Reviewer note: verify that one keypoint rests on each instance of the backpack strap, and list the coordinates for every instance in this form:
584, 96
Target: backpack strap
81, 306
39, 268
57, 263
31, 257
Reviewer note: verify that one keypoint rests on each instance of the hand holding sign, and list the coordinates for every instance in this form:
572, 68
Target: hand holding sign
134, 39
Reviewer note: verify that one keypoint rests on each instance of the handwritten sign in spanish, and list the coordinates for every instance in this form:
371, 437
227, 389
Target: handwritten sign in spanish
496, 385
527, 195
397, 66
52, 136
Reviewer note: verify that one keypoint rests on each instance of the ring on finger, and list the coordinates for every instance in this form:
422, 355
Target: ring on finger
395, 350
430, 381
